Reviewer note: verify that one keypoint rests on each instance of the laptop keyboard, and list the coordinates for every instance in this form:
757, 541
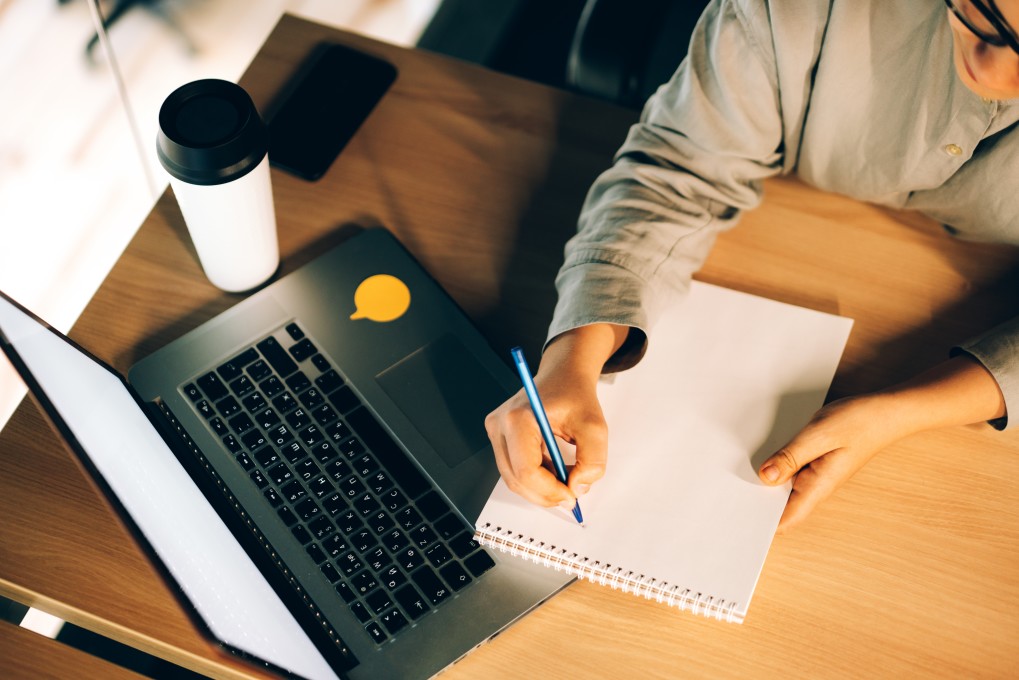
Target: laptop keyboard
385, 539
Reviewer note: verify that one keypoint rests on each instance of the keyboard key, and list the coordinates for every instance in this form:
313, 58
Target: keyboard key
411, 601
364, 582
192, 392
280, 474
218, 426
293, 452
350, 563
432, 506
307, 509
479, 563
294, 491
395, 540
259, 479
232, 368
344, 399
388, 453
365, 465
294, 331
228, 407
298, 418
334, 546
431, 585
267, 418
409, 559
379, 601
345, 592
245, 461
338, 469
287, 515
273, 497
348, 522
464, 544
272, 387
321, 363
393, 621
212, 386
266, 457
408, 518
324, 414
321, 527
382, 485
312, 399
306, 469
242, 386
334, 504
450, 526
329, 381
316, 553
378, 559
366, 505
254, 402
392, 578
351, 487
350, 448
259, 371
329, 571
363, 540
311, 436
205, 408
324, 453
241, 423
253, 439
380, 522
375, 631
301, 534
303, 349
231, 443
320, 487
455, 576
423, 536
338, 432
298, 382
438, 555
277, 356
361, 612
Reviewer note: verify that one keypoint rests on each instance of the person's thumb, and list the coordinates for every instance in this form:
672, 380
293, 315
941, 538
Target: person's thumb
783, 465
589, 468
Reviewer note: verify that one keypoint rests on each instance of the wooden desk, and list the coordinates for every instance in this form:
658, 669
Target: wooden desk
912, 569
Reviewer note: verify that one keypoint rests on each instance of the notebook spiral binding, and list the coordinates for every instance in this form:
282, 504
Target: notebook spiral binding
617, 578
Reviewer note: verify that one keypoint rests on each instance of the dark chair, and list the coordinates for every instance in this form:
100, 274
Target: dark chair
619, 50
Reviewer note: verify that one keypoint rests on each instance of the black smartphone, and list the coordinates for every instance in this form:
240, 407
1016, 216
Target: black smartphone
322, 107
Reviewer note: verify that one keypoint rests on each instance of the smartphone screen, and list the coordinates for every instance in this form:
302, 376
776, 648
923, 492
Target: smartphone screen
322, 108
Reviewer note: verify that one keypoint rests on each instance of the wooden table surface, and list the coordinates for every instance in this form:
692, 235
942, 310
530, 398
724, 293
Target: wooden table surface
911, 569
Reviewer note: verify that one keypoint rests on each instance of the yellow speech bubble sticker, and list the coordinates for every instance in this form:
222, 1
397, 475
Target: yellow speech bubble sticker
381, 298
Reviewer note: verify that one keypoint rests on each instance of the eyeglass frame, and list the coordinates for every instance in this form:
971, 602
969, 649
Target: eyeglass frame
1005, 37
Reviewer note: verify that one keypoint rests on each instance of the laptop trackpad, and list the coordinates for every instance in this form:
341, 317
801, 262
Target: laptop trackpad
446, 393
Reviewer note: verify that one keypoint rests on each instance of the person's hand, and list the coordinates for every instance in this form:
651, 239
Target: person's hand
567, 381
845, 434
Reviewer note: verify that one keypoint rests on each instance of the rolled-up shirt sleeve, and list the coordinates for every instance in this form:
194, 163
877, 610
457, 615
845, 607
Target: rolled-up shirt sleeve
998, 351
697, 158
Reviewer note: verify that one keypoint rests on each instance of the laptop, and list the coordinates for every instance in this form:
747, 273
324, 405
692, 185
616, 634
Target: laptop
306, 467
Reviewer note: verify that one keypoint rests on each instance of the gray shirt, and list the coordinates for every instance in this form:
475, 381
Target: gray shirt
858, 97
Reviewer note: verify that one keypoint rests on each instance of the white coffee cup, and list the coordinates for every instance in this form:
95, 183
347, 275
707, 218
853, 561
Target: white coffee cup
213, 144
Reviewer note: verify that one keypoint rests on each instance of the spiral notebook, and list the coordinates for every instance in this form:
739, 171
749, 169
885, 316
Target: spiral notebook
680, 516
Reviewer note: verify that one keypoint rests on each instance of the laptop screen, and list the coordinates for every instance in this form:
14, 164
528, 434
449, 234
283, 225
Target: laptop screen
211, 568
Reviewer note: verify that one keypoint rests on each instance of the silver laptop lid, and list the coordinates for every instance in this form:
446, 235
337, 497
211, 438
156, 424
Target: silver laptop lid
107, 429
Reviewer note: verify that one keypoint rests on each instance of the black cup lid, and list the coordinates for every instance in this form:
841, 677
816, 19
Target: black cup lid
210, 133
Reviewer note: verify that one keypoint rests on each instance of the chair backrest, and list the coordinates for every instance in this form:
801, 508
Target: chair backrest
624, 49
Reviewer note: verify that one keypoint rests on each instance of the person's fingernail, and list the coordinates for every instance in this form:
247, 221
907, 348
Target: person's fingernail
770, 473
567, 505
583, 488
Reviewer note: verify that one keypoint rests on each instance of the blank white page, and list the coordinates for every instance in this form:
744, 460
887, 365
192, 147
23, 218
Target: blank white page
728, 378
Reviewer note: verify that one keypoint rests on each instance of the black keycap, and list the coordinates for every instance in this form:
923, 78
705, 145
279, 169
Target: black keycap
312, 399
218, 426
325, 414
408, 518
244, 460
455, 576
329, 381
306, 469
438, 555
479, 563
267, 418
409, 559
277, 356
450, 526
231, 443
393, 621
212, 386
365, 465
259, 479
334, 503
259, 371
392, 498
334, 546
272, 387
338, 432
301, 534
411, 601
351, 448
307, 509
329, 571
311, 435
320, 487
392, 578
254, 402
348, 522
294, 491
389, 454
350, 563
364, 582
395, 540
242, 386
253, 439
298, 382
273, 497
281, 435
316, 553
344, 399
378, 559
464, 544
232, 368
321, 363
375, 631
366, 504
287, 515
361, 612
241, 423
228, 407
431, 585
423, 536
303, 349
337, 469
380, 522
266, 457
379, 601
294, 331
321, 527
363, 540
280, 474
293, 452
432, 506
205, 408
192, 392
298, 418
351, 487
325, 454
345, 592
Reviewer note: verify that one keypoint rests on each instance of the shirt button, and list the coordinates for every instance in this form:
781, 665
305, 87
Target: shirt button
953, 149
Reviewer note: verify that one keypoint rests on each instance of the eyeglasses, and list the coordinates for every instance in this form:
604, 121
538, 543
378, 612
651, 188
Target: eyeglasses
985, 23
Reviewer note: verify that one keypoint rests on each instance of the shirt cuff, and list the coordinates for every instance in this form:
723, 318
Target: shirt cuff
998, 351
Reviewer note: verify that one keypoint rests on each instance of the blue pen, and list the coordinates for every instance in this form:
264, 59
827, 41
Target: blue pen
542, 418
